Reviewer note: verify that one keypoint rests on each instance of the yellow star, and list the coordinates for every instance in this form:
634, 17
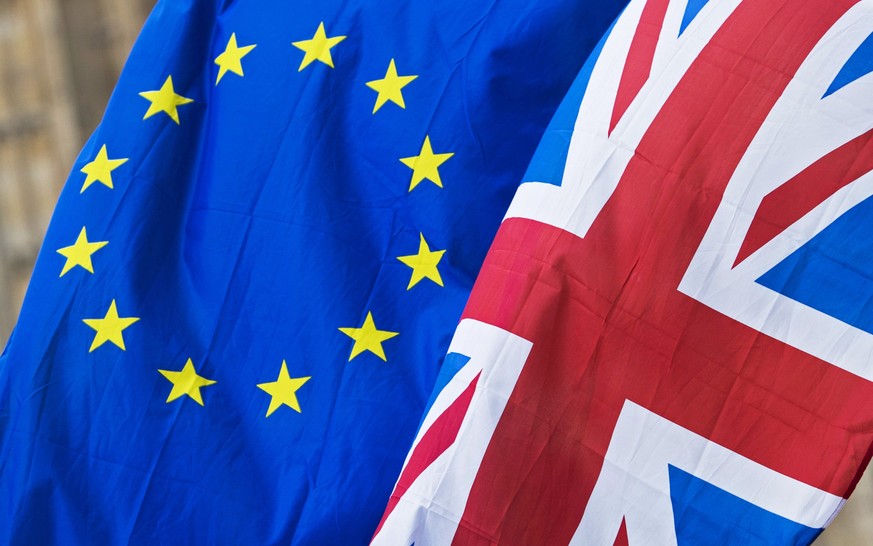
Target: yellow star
425, 166
165, 100
100, 170
80, 253
424, 264
231, 59
368, 338
186, 382
109, 328
283, 391
389, 87
318, 48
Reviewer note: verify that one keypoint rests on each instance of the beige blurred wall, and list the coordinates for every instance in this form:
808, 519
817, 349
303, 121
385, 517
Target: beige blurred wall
59, 60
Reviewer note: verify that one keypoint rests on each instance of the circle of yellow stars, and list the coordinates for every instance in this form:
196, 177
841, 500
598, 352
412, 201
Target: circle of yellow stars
367, 338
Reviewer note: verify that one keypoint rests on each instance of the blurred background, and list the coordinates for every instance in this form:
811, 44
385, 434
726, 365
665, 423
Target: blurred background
59, 60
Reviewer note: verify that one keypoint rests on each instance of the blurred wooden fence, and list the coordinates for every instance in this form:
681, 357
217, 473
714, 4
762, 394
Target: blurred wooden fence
59, 60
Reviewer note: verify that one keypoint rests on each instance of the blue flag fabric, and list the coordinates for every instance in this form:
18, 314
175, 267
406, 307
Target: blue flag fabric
255, 268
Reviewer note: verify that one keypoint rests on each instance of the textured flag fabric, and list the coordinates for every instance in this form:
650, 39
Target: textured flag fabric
255, 268
670, 339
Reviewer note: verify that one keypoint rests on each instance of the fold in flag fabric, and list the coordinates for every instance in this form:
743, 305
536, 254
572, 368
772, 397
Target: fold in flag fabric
255, 269
670, 339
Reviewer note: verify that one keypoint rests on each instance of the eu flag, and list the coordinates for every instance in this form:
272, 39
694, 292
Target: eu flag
254, 270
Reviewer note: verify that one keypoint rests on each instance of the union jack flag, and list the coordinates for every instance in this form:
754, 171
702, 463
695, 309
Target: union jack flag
671, 341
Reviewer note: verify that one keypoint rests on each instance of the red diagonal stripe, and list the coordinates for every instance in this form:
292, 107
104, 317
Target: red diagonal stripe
434, 443
621, 539
639, 58
791, 201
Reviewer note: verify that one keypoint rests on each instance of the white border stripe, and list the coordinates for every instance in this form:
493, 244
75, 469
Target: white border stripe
596, 160
429, 512
634, 482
